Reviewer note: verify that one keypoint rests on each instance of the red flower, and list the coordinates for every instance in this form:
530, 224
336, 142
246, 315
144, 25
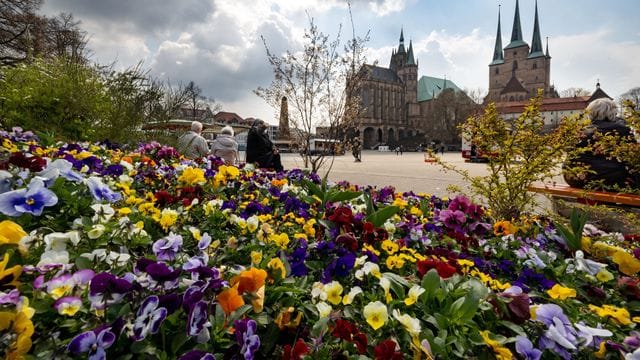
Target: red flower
344, 330
299, 350
386, 350
163, 198
361, 342
33, 163
445, 270
630, 287
348, 241
342, 216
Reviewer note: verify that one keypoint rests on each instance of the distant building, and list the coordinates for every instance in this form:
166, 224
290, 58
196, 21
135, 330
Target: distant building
398, 106
552, 110
518, 71
189, 113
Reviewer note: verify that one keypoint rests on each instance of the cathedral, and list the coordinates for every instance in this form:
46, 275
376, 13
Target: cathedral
401, 109
518, 71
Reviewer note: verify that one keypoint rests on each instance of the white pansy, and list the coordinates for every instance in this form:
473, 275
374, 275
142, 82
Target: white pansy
54, 257
390, 227
348, 299
58, 241
412, 325
252, 223
324, 309
103, 213
96, 231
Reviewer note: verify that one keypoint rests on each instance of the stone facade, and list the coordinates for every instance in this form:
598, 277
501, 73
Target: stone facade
519, 70
399, 107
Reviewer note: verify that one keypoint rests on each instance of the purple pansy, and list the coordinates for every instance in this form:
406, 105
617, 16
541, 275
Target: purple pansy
12, 297
61, 305
560, 336
106, 289
60, 167
31, 200
167, 247
525, 348
148, 318
93, 342
198, 324
100, 191
452, 219
247, 337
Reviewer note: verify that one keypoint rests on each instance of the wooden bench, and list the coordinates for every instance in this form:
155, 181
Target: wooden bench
588, 197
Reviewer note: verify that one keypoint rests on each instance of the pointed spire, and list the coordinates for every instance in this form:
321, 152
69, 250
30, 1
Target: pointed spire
516, 33
547, 53
498, 57
401, 46
410, 59
536, 43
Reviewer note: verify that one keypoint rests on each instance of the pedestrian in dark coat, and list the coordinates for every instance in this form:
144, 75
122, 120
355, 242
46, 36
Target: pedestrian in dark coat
260, 149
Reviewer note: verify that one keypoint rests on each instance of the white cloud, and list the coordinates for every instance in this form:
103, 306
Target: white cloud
386, 7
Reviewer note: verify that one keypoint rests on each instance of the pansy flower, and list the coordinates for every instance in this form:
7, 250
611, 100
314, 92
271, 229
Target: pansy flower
167, 247
197, 355
100, 191
148, 318
31, 200
375, 314
93, 342
246, 332
106, 289
68, 305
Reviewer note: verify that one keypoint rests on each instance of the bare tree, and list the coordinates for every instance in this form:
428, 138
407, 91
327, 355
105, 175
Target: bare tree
632, 95
320, 83
477, 94
197, 102
571, 92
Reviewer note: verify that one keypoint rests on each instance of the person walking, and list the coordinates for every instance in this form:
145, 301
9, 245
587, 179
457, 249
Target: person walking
192, 144
260, 149
225, 146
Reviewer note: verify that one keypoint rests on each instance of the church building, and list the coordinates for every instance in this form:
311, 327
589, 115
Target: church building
518, 71
401, 108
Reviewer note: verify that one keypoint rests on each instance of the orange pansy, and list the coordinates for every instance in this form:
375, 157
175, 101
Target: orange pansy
230, 300
250, 280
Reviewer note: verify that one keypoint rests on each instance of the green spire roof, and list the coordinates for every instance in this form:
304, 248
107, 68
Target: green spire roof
536, 42
516, 33
401, 46
498, 58
430, 87
410, 59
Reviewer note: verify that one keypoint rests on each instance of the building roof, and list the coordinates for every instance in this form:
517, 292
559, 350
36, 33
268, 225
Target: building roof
513, 86
430, 87
536, 42
498, 57
599, 93
548, 104
382, 74
227, 117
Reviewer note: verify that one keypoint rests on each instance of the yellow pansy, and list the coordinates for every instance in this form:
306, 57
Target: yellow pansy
348, 299
277, 268
309, 229
627, 263
389, 246
560, 292
504, 227
620, 315
124, 211
413, 295
333, 292
376, 314
21, 328
9, 277
10, 232
168, 218
281, 240
394, 262
604, 275
256, 257
415, 211
400, 202
192, 176
500, 351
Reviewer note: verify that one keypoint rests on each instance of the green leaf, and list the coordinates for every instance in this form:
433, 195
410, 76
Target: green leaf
179, 339
379, 217
83, 263
320, 328
342, 196
430, 282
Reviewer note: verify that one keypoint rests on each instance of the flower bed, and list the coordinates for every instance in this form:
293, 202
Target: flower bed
144, 254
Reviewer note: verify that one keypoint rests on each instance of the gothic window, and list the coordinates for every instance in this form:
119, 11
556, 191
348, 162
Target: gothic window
497, 70
535, 66
515, 65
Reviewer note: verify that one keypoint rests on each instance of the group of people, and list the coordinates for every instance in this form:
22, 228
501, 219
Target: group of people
260, 149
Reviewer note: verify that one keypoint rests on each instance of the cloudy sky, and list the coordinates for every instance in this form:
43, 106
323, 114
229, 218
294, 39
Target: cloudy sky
216, 43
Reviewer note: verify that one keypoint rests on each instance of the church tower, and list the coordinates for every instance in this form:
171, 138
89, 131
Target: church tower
518, 71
